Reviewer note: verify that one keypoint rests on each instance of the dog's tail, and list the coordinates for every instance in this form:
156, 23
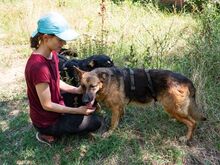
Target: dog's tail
193, 107
195, 112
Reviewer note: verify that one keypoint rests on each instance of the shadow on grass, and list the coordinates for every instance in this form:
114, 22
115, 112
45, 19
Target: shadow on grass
19, 146
158, 134
145, 136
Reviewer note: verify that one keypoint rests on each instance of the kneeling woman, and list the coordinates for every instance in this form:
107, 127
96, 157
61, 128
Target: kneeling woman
49, 115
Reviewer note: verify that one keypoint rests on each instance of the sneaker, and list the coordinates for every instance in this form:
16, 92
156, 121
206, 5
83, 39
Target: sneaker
46, 139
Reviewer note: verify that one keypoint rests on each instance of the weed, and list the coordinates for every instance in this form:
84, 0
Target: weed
134, 35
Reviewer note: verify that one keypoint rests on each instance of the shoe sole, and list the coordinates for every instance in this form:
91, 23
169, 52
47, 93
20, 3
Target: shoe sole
42, 141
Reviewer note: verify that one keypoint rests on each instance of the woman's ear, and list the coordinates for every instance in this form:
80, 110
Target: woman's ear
45, 37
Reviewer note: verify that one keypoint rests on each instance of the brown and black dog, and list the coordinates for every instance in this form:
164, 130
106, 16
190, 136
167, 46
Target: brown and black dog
117, 87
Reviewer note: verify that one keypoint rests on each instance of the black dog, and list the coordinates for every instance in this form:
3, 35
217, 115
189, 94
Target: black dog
68, 73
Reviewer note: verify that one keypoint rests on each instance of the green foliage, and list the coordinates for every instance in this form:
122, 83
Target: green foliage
135, 1
198, 2
134, 36
206, 51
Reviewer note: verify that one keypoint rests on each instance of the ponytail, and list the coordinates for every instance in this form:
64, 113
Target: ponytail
35, 41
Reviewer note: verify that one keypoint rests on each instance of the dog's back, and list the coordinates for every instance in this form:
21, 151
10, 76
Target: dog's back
161, 81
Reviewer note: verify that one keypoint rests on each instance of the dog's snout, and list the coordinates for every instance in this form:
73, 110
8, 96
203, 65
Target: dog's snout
87, 98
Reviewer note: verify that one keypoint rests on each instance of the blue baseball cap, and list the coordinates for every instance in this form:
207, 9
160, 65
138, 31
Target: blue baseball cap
54, 23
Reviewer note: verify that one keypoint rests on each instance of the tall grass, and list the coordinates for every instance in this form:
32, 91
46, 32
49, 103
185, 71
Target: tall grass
205, 56
134, 36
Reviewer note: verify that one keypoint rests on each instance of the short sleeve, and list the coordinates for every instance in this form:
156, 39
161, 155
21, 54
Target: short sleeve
40, 73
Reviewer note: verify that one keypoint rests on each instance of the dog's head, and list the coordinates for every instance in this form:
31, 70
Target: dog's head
96, 61
67, 71
91, 83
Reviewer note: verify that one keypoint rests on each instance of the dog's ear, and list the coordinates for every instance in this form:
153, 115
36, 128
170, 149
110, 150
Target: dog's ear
103, 76
78, 71
91, 64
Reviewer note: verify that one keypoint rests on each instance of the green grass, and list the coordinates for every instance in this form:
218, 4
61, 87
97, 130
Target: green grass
133, 36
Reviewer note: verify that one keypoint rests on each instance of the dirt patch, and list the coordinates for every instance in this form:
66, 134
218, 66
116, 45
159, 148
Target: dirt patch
11, 71
203, 156
11, 75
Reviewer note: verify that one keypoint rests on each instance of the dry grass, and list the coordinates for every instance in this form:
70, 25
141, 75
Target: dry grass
145, 135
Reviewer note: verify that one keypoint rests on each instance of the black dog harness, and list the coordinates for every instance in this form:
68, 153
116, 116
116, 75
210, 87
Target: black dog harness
149, 84
132, 79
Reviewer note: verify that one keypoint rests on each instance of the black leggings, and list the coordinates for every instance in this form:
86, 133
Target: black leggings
72, 124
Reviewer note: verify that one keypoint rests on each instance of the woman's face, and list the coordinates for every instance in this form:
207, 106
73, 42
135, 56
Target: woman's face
54, 43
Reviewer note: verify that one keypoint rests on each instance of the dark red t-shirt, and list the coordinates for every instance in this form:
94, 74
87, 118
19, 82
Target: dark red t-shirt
42, 70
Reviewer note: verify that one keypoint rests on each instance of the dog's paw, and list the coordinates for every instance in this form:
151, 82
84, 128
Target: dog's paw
184, 140
107, 134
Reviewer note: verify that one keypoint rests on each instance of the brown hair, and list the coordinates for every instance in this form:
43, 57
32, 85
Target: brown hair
35, 41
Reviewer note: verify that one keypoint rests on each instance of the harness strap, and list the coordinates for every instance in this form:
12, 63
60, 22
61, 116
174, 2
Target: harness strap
64, 65
150, 85
132, 88
132, 79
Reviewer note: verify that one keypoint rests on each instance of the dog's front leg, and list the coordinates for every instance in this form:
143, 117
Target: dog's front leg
116, 111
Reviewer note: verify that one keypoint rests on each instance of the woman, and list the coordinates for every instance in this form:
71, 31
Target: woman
49, 115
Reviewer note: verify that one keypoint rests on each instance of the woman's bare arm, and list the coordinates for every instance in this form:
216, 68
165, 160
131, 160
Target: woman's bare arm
69, 88
43, 91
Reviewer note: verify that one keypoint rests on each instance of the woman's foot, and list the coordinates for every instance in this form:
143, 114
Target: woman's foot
46, 139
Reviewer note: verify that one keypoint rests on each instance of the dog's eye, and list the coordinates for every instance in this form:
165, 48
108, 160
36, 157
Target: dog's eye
93, 86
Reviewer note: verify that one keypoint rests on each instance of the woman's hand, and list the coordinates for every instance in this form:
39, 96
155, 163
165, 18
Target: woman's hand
86, 111
78, 90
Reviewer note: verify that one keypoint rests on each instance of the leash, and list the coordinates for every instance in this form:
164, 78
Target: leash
64, 66
133, 88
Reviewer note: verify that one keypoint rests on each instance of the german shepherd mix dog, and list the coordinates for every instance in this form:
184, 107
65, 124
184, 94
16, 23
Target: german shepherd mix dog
67, 72
117, 87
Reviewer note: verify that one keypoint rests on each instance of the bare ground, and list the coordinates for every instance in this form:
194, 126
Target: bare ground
11, 71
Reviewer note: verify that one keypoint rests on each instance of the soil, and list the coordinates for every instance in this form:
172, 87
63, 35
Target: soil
11, 70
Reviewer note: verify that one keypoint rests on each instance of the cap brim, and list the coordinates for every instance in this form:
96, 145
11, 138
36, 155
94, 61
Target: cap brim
68, 35
34, 33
